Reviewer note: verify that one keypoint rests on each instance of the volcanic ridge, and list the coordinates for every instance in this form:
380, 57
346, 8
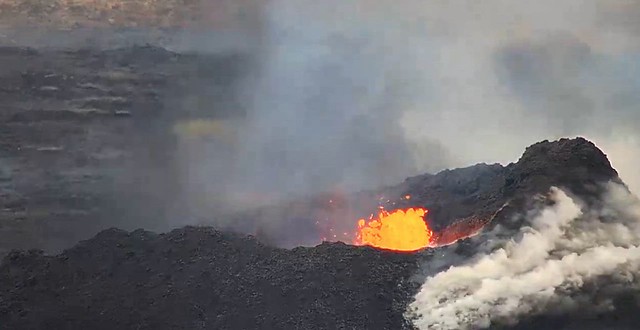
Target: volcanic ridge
204, 278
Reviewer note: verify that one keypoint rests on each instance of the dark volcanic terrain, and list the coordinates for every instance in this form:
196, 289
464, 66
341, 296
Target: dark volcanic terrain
81, 129
113, 113
87, 143
200, 278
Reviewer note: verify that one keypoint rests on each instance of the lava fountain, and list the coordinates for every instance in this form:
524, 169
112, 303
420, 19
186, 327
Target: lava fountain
399, 230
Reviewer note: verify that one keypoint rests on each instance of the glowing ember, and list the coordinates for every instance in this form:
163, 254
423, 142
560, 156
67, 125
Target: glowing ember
400, 230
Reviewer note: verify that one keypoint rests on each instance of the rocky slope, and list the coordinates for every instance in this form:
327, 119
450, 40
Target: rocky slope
199, 278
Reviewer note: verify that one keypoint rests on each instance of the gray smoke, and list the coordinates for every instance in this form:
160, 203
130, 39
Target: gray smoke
344, 96
566, 248
326, 106
350, 95
364, 93
508, 73
323, 105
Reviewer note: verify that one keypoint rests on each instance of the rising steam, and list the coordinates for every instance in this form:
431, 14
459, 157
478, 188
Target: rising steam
365, 93
566, 247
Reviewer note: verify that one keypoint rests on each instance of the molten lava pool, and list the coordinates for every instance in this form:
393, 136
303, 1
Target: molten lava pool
399, 230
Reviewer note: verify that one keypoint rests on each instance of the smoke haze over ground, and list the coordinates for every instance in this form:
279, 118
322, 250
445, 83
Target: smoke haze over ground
343, 96
360, 94
566, 249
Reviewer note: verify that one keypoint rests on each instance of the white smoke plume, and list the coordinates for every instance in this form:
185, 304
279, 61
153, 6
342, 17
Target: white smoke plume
566, 247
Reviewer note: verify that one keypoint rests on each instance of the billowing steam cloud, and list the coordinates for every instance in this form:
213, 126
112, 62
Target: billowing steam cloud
566, 247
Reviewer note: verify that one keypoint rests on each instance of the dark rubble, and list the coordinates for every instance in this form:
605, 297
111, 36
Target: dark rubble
200, 278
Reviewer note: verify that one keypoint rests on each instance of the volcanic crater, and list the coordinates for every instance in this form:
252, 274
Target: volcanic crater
204, 278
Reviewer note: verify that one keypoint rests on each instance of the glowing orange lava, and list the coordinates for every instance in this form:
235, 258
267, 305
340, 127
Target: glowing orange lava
400, 230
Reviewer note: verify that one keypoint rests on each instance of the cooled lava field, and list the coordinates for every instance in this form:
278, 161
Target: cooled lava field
100, 228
